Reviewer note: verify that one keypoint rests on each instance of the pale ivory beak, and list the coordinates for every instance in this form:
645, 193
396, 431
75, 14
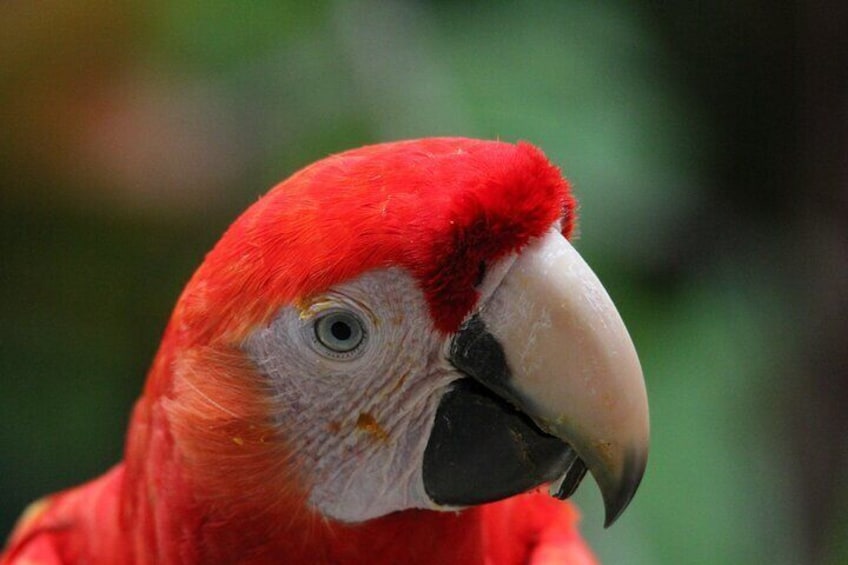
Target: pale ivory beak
573, 367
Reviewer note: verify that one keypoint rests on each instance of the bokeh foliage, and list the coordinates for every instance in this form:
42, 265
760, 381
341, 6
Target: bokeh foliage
134, 135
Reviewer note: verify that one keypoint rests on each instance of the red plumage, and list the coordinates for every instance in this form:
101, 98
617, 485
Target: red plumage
221, 485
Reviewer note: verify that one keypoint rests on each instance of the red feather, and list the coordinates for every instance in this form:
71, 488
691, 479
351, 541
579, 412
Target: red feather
208, 477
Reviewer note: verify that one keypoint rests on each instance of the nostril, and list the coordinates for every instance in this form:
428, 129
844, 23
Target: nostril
481, 273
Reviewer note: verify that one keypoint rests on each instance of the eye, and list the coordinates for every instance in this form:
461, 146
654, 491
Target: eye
340, 332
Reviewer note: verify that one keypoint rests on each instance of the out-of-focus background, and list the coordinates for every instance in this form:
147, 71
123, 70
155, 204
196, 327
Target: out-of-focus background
707, 142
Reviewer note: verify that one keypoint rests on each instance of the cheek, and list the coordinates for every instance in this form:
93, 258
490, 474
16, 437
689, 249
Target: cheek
314, 394
359, 426
365, 399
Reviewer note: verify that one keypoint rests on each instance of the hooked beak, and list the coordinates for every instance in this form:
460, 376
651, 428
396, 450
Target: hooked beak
550, 343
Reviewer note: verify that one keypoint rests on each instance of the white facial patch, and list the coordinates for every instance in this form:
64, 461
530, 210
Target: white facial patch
357, 417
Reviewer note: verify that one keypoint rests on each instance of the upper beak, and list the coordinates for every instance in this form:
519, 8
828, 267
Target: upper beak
570, 364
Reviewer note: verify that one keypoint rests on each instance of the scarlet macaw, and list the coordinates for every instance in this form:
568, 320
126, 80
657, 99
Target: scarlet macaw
379, 362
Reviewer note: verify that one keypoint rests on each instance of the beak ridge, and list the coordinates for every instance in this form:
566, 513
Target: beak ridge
572, 366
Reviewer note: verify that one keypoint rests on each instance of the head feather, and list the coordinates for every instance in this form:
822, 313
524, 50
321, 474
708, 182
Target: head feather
437, 207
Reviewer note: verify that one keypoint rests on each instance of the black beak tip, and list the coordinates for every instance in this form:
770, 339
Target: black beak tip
617, 499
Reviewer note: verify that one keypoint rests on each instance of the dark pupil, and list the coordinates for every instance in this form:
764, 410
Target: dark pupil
341, 331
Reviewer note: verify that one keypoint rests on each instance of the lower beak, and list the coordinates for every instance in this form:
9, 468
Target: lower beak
550, 341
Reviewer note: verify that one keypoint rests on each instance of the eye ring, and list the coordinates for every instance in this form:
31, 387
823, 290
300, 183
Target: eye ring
339, 333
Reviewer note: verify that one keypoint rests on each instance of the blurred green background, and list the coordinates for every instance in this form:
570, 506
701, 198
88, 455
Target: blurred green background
707, 142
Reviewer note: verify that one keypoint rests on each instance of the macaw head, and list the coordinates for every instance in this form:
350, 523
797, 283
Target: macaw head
401, 326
